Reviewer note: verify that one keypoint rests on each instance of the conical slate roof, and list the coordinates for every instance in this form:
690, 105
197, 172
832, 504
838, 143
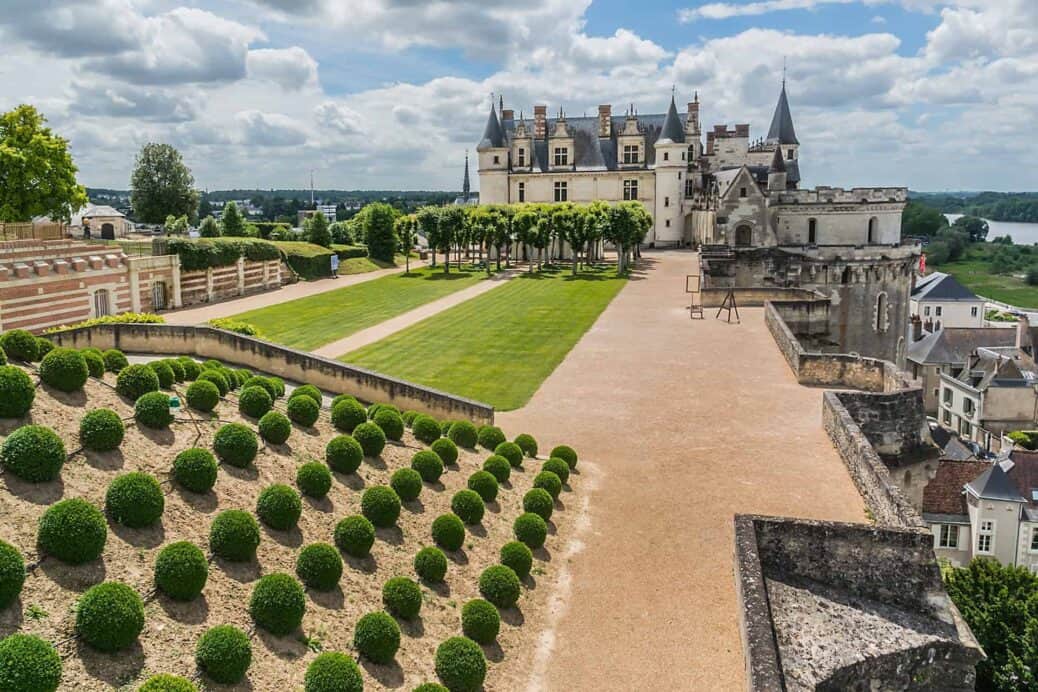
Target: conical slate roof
778, 165
493, 135
782, 122
672, 128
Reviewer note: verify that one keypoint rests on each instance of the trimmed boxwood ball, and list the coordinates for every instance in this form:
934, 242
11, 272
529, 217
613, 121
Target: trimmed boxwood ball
134, 499
445, 427
12, 574
390, 422
430, 687
446, 450
408, 417
212, 364
177, 367
65, 369
344, 397
461, 665
448, 531
164, 373
468, 505
347, 415
152, 411
115, 360
540, 502
333, 672
377, 637
381, 505
181, 571
303, 410
484, 484
510, 451
549, 481
134, 381
164, 682
278, 603
279, 386
527, 443
236, 444
263, 383
43, 347
3, 357
490, 436
34, 453
203, 396
224, 653
344, 454
426, 429
308, 390
95, 363
480, 621
567, 454
274, 427
243, 376
431, 564
557, 466
517, 556
110, 616
371, 438
314, 479
17, 392
407, 483
498, 467
254, 402
20, 345
234, 536
319, 566
191, 368
217, 378
428, 465
194, 469
355, 535
500, 585
531, 529
402, 597
29, 664
279, 507
464, 434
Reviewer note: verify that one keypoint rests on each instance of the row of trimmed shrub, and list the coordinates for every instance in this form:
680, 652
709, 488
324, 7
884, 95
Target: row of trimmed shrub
205, 253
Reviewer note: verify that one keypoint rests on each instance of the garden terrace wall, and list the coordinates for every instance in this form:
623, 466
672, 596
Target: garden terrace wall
263, 356
755, 296
240, 278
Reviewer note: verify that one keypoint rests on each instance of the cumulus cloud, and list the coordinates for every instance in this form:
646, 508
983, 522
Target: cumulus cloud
726, 10
269, 130
106, 99
290, 68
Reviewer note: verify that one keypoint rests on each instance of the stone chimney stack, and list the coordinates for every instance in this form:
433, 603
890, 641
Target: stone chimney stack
692, 124
605, 120
917, 328
508, 114
540, 122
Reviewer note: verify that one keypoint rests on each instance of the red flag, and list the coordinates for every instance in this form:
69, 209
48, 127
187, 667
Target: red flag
922, 263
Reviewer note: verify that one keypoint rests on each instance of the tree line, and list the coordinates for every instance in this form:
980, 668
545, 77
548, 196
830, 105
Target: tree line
997, 206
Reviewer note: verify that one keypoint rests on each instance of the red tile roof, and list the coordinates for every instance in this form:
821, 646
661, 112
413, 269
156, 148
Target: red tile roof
943, 494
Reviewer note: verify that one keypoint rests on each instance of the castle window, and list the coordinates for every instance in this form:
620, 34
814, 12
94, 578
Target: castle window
873, 227
812, 231
561, 156
689, 187
630, 190
102, 306
742, 192
789, 154
985, 536
561, 193
666, 156
666, 201
881, 320
692, 152
497, 160
973, 311
667, 224
743, 236
630, 153
522, 192
522, 157
949, 536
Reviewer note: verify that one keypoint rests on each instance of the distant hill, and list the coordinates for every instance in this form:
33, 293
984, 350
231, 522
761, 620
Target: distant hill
995, 206
327, 196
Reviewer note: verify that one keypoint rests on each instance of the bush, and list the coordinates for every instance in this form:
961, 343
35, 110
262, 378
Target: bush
344, 454
194, 469
177, 367
20, 345
95, 363
303, 410
333, 672
254, 402
428, 465
500, 585
498, 467
407, 483
344, 397
381, 505
17, 392
234, 536
279, 386
212, 364
274, 427
425, 429
203, 396
528, 444
355, 535
314, 479
430, 687
402, 597
408, 417
540, 502
371, 438
33, 453
278, 603
110, 616
531, 529
134, 381
347, 415
236, 326
181, 571
236, 444
64, 369
557, 466
115, 361
164, 682
390, 422
164, 372
448, 532
377, 637
191, 368
490, 436
12, 574
468, 505
279, 507
431, 564
460, 664
517, 556
134, 499
29, 664
310, 391
464, 434
484, 484
549, 481
446, 450
566, 454
152, 411
224, 653
319, 566
263, 383
480, 621
217, 378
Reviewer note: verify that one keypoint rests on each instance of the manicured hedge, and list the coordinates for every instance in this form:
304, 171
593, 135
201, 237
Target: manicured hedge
333, 672
402, 597
181, 571
279, 507
426, 429
303, 410
274, 427
510, 451
152, 410
549, 481
236, 444
319, 566
164, 372
484, 484
559, 467
517, 556
431, 564
540, 502
531, 530
135, 500
20, 345
115, 360
565, 453
95, 363
446, 450
480, 621
134, 381
65, 369
255, 402
490, 436
428, 465
203, 396
278, 603
377, 637
468, 505
355, 535
500, 585
461, 665
448, 531
381, 505
203, 253
234, 536
314, 479
347, 415
344, 454
164, 682
499, 467
310, 391
464, 434
527, 443
407, 483
195, 470
12, 574
371, 438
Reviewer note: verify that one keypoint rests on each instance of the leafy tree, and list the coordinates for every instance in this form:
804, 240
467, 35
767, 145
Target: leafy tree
232, 221
406, 228
209, 228
429, 222
543, 233
205, 207
523, 225
938, 253
317, 230
921, 220
452, 225
378, 231
956, 240
628, 224
342, 233
176, 225
162, 185
37, 176
975, 227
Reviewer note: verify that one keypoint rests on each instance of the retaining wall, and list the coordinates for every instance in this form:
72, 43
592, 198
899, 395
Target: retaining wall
754, 297
219, 283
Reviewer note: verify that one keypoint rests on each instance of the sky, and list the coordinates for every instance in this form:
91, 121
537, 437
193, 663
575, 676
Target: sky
389, 94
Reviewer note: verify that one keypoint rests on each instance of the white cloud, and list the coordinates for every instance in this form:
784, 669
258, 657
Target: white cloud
291, 68
727, 10
269, 130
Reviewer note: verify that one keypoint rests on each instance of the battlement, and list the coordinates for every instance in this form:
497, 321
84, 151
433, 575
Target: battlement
838, 195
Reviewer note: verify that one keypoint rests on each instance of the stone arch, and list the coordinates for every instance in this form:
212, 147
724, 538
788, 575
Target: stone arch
744, 236
107, 231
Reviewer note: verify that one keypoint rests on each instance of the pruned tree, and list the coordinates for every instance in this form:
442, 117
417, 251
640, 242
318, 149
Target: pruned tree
429, 223
523, 224
406, 228
452, 222
161, 184
379, 233
232, 222
317, 231
209, 228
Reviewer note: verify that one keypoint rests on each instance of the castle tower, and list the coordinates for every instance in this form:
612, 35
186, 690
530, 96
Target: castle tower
671, 169
782, 133
777, 173
493, 161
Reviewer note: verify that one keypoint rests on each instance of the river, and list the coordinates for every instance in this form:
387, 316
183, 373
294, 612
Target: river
1021, 233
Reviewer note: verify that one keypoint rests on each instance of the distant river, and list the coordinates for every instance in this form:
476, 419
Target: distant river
1021, 233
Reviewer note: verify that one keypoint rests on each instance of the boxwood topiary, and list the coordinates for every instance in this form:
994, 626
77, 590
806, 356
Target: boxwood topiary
390, 422
480, 621
490, 436
319, 566
278, 603
212, 364
446, 450
115, 360
29, 664
448, 532
540, 502
430, 687
164, 682
203, 396
12, 574
308, 390
20, 345
279, 507
498, 467
110, 616
263, 383
484, 484
333, 672
527, 443
344, 454
236, 444
279, 386
464, 434
426, 429
181, 571
511, 452
224, 653
407, 483
254, 402
3, 357
164, 372
377, 637
34, 453
371, 438
177, 367
134, 381
549, 481
101, 430
460, 664
567, 454
402, 597
531, 529
234, 536
428, 465
344, 397
191, 368
408, 417
355, 535
517, 556
500, 585
17, 392
65, 369
381, 505
134, 499
303, 410
314, 479
468, 505
431, 564
274, 427
557, 466
195, 470
217, 378
347, 415
152, 410
445, 427
43, 347
95, 363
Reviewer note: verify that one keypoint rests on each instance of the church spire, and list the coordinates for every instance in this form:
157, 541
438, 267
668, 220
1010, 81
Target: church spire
782, 131
466, 187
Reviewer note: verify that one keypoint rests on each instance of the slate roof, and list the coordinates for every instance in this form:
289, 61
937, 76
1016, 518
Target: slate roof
782, 130
493, 135
995, 484
944, 493
673, 129
952, 447
778, 164
943, 287
955, 344
998, 366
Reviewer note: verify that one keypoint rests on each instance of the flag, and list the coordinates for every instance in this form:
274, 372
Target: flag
922, 263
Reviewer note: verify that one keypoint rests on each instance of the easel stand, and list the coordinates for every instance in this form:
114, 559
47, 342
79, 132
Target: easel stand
729, 304
692, 287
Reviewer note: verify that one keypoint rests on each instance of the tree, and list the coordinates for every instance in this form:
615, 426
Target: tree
429, 222
378, 231
209, 228
232, 221
406, 227
452, 223
975, 227
205, 208
317, 230
542, 234
920, 220
176, 225
37, 176
523, 225
162, 185
938, 253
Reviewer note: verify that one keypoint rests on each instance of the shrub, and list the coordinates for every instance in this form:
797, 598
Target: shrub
177, 367
484, 484
428, 465
460, 664
224, 653
95, 363
531, 529
12, 574
377, 637
195, 470
279, 386
263, 383
17, 392
203, 396
115, 361
43, 347
527, 443
191, 368
274, 427
33, 453
236, 326
557, 466
134, 499
164, 682
355, 535
217, 378
425, 429
500, 585
254, 402
498, 467
344, 454
408, 417
402, 597
279, 507
511, 452
390, 422
407, 483
310, 391
134, 381
152, 411
373, 409
448, 532
181, 571
333, 672
20, 345
446, 450
549, 481
430, 687
480, 621
234, 536
29, 664
236, 444
314, 479
371, 438
347, 415
164, 372
278, 603
212, 364
566, 454
539, 501
110, 616
431, 564
445, 427
303, 410
64, 369
468, 505
490, 436
517, 556
381, 505
344, 397
464, 434
319, 566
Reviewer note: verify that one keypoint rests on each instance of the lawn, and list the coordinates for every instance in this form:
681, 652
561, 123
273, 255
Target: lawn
310, 322
363, 265
500, 346
1006, 288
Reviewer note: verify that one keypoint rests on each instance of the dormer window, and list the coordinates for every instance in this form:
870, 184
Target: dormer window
789, 154
522, 157
561, 156
630, 153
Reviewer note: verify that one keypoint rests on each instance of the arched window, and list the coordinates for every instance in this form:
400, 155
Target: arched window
812, 231
881, 320
873, 230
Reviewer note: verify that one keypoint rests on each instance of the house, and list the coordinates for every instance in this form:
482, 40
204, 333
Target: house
946, 511
946, 351
100, 221
940, 302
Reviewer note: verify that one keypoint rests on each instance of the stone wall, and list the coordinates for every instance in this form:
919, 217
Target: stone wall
754, 297
238, 279
894, 422
262, 356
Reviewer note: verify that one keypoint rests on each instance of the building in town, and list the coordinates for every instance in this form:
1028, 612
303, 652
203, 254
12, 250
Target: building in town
940, 302
946, 351
99, 221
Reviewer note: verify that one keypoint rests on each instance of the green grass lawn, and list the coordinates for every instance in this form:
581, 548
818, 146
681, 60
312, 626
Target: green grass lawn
500, 346
363, 265
316, 320
976, 276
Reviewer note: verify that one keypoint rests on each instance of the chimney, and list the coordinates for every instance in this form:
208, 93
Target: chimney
605, 120
917, 328
540, 121
692, 124
742, 131
709, 143
1023, 335
508, 114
